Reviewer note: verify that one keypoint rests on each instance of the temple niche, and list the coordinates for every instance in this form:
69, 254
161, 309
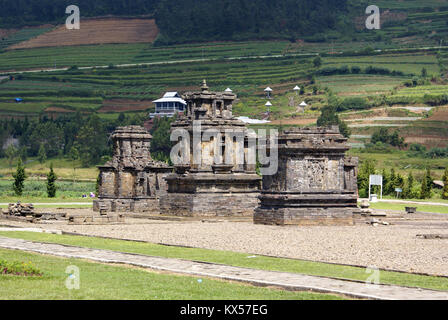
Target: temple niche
132, 181
316, 184
216, 178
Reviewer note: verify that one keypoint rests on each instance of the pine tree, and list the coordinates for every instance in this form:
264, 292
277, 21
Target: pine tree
329, 117
366, 169
390, 187
42, 154
425, 192
399, 182
385, 181
51, 183
19, 178
408, 189
445, 186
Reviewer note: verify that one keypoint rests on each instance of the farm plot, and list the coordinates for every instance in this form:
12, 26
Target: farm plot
123, 105
360, 85
58, 57
96, 31
11, 37
411, 63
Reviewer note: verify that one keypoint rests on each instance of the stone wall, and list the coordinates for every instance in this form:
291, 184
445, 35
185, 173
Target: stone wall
131, 181
315, 183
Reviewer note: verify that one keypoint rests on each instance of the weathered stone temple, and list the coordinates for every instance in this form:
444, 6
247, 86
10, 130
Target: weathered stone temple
132, 181
214, 179
316, 184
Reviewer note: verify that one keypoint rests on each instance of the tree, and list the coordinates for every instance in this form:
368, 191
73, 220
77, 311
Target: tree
91, 141
445, 185
19, 178
317, 62
399, 182
73, 153
47, 133
409, 187
11, 153
23, 153
424, 73
389, 188
328, 117
42, 154
51, 183
366, 169
425, 191
161, 143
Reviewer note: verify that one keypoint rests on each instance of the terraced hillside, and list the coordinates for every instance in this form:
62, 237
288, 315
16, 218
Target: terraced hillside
96, 31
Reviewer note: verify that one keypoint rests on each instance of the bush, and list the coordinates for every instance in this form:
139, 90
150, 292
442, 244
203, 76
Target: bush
19, 268
355, 70
357, 103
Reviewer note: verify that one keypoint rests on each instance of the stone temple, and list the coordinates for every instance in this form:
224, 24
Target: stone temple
316, 184
217, 181
132, 181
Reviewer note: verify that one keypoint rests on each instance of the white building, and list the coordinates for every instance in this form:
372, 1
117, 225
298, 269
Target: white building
169, 105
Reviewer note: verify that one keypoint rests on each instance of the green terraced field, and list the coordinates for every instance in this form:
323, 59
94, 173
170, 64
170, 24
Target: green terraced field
360, 85
407, 63
104, 55
21, 35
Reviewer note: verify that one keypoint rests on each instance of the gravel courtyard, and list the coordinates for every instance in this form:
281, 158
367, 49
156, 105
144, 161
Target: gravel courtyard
394, 246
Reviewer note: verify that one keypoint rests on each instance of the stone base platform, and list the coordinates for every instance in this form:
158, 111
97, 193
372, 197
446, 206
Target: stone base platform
209, 204
307, 210
207, 194
127, 205
109, 218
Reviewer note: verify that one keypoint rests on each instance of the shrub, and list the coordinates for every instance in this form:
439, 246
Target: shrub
357, 103
19, 178
445, 187
19, 268
355, 70
51, 183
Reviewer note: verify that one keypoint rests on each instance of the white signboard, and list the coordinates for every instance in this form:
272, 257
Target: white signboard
376, 180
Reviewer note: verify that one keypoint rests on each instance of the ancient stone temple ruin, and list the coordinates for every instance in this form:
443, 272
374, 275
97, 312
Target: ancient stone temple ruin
132, 181
316, 184
215, 179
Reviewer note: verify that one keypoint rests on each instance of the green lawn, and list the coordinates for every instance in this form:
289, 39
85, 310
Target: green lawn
100, 281
401, 207
236, 259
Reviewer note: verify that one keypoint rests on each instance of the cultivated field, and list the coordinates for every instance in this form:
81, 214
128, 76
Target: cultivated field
96, 31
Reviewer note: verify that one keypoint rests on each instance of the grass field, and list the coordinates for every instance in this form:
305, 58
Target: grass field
110, 282
71, 183
236, 259
401, 207
64, 168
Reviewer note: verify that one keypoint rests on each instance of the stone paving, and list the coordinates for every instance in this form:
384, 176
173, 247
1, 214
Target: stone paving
284, 280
